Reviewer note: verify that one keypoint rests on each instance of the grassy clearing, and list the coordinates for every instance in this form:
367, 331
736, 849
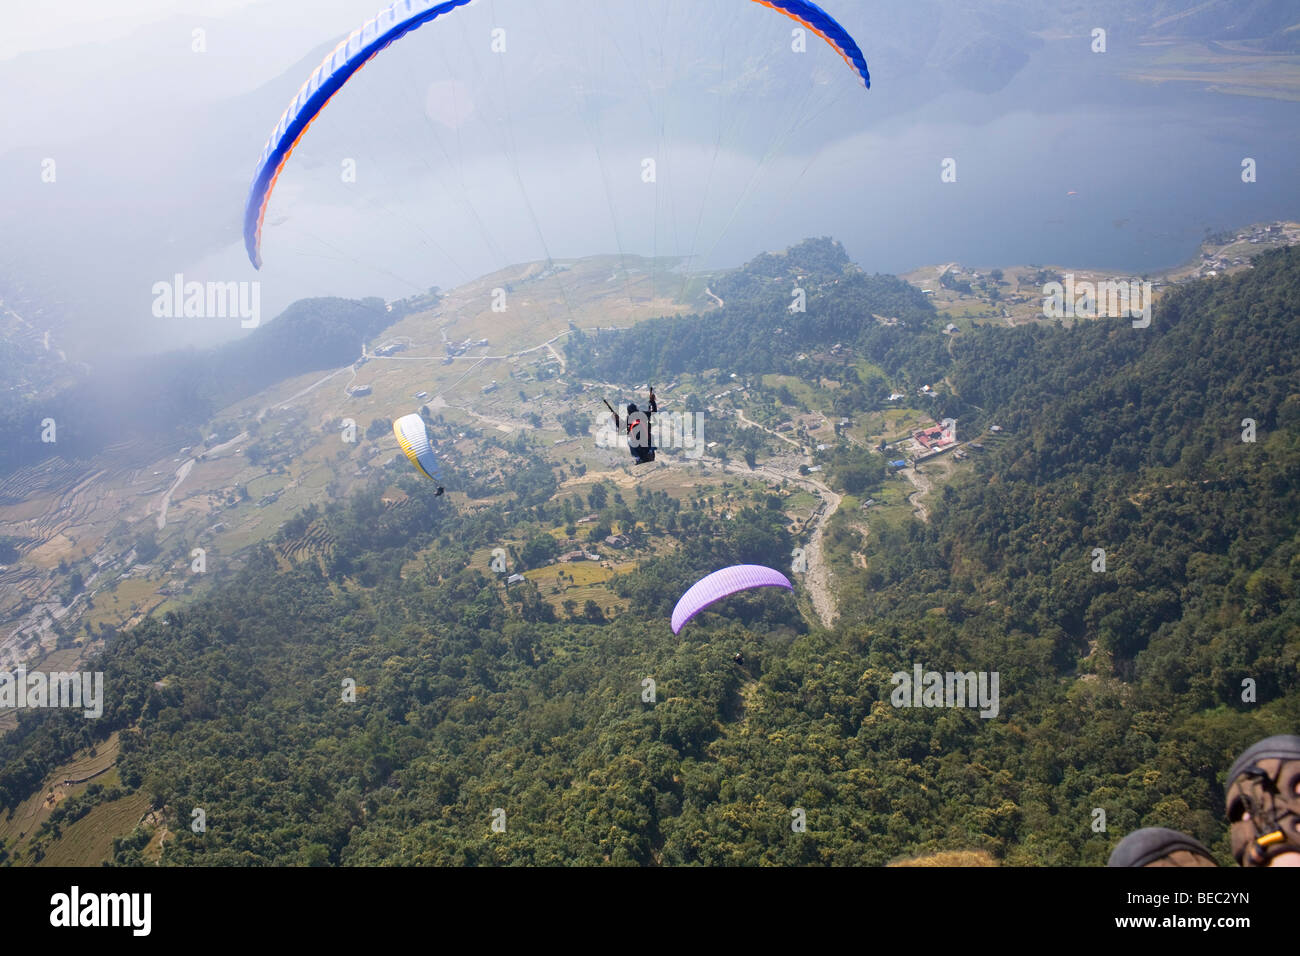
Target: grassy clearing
900, 422
801, 503
60, 659
866, 369
127, 598
588, 583
583, 574
808, 395
891, 508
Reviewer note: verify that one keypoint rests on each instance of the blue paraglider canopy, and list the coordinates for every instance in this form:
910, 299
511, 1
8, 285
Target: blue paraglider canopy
395, 22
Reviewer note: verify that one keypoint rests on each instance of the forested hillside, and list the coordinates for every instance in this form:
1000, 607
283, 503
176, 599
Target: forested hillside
757, 330
1121, 689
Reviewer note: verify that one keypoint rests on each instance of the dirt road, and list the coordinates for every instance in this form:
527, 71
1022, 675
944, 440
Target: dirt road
817, 579
740, 413
922, 484
181, 474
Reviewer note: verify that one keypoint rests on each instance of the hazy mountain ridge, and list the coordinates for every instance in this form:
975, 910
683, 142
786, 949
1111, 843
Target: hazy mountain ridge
171, 395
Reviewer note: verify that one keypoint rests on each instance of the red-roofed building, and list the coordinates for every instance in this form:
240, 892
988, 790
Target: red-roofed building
930, 437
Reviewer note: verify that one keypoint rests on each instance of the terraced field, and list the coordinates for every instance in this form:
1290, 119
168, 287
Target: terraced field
87, 841
315, 540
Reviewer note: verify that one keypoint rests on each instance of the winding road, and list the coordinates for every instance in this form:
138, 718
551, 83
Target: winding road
922, 484
817, 579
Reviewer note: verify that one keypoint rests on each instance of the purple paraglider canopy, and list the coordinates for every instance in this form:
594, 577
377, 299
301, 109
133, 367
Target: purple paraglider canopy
724, 583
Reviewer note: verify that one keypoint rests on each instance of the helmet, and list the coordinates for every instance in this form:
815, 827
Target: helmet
1264, 800
631, 407
1157, 846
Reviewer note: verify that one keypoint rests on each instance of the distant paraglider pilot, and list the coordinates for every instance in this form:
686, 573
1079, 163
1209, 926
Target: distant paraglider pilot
413, 439
638, 435
640, 439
